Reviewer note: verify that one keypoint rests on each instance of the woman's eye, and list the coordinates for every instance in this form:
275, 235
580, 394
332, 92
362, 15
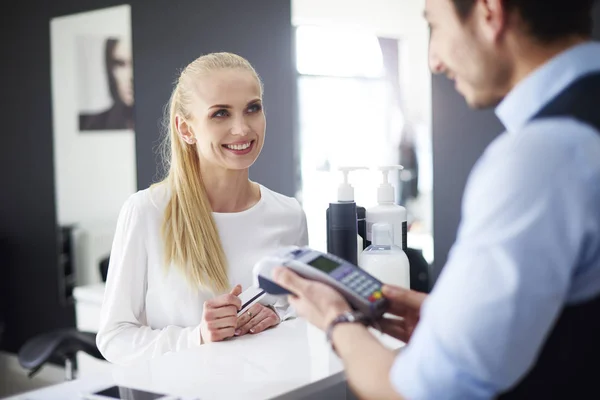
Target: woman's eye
254, 108
220, 114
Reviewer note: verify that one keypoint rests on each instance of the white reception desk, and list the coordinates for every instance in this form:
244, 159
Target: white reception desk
291, 361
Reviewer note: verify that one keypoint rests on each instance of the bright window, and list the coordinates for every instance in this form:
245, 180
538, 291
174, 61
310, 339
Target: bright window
337, 52
346, 118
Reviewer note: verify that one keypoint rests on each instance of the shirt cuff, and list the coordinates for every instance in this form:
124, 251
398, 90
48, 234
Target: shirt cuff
281, 307
195, 338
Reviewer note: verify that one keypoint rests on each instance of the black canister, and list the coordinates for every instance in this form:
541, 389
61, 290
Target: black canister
342, 231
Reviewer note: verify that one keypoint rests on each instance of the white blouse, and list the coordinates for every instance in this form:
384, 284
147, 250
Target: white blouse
150, 310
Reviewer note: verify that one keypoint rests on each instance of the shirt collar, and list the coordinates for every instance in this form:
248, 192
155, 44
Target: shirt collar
546, 82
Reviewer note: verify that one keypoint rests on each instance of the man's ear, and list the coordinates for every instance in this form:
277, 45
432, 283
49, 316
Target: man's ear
493, 16
184, 130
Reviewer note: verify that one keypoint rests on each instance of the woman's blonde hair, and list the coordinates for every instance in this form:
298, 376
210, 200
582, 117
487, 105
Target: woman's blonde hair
191, 238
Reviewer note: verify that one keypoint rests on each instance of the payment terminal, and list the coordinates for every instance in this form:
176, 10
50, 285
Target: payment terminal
360, 289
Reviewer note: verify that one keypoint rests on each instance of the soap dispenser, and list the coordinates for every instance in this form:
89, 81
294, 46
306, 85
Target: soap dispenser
343, 239
387, 210
383, 259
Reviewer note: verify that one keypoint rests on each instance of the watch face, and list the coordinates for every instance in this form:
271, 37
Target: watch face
351, 316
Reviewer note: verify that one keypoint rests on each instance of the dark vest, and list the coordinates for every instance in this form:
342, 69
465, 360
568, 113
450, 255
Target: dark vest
568, 366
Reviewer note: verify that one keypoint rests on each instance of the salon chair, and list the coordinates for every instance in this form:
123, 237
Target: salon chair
104, 263
63, 344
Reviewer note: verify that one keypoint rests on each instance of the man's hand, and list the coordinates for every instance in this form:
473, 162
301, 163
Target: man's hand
357, 347
403, 303
318, 303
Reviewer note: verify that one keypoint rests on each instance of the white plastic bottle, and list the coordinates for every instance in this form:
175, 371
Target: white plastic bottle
387, 210
384, 260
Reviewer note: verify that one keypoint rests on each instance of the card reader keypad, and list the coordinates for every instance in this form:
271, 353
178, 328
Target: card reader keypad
362, 285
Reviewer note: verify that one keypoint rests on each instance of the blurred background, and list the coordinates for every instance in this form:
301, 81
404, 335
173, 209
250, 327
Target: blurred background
84, 85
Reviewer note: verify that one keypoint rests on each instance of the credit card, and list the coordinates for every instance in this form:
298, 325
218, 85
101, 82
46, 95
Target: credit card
249, 297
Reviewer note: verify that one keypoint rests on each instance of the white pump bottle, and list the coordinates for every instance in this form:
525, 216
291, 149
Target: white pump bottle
384, 260
345, 191
387, 210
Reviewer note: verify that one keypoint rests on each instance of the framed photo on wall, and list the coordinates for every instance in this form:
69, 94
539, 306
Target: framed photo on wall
104, 82
93, 127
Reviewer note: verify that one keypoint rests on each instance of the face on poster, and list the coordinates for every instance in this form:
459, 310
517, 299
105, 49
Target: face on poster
92, 75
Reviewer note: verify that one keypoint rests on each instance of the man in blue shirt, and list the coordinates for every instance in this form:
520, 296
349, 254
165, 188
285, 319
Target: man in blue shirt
515, 312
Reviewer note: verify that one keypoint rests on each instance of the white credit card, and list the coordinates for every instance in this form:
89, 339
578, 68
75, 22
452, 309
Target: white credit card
249, 297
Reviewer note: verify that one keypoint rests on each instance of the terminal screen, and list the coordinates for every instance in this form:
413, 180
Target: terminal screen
324, 264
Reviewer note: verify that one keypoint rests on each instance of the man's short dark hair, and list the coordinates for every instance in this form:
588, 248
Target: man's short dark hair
546, 20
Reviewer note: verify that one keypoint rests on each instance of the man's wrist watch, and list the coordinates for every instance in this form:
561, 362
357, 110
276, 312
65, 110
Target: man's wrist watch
346, 317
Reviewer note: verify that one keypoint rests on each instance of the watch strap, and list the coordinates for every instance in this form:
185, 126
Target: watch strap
346, 317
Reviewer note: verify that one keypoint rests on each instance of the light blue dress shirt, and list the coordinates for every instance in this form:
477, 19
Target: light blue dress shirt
528, 243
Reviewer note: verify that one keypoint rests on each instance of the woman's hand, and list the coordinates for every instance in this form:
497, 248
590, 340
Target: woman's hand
219, 317
257, 319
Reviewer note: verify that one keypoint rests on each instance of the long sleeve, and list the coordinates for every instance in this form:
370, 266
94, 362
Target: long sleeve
303, 231
527, 210
124, 335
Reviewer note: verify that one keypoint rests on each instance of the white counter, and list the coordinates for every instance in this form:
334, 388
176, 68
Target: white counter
290, 361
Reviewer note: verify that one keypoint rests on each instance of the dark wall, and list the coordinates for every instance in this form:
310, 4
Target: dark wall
27, 212
596, 32
166, 36
460, 136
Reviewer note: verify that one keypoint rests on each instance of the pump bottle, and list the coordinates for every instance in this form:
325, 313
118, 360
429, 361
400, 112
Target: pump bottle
387, 210
384, 260
343, 239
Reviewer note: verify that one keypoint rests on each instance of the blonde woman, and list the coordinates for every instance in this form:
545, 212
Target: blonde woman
185, 247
